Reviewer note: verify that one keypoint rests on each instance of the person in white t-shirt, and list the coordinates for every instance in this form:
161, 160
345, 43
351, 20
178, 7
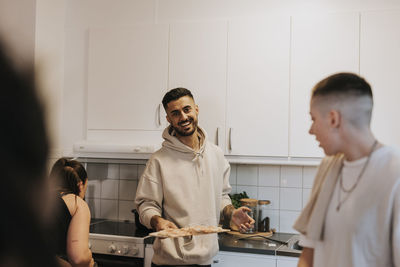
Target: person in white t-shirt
353, 214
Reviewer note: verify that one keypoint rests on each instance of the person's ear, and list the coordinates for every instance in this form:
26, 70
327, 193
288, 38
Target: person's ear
80, 186
168, 119
197, 109
335, 118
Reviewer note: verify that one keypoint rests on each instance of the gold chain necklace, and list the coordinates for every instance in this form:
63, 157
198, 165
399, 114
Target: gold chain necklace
340, 202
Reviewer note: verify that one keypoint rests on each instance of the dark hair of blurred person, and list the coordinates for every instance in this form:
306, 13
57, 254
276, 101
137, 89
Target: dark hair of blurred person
23, 157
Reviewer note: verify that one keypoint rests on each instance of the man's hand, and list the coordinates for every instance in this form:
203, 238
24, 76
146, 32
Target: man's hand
241, 220
158, 223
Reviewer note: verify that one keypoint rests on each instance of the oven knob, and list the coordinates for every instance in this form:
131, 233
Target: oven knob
125, 250
112, 248
135, 251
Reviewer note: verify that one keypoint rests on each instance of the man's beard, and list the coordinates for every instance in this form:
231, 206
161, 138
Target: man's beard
181, 133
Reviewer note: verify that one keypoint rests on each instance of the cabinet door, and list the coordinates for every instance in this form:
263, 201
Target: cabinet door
233, 259
127, 77
258, 87
380, 57
287, 262
321, 45
197, 61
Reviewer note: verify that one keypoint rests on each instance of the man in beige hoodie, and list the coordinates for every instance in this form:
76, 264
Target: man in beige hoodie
186, 183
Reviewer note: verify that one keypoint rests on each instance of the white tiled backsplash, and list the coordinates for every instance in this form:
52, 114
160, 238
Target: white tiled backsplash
112, 188
287, 187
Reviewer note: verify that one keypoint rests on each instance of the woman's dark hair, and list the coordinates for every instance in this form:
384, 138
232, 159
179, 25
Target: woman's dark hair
175, 94
23, 157
68, 173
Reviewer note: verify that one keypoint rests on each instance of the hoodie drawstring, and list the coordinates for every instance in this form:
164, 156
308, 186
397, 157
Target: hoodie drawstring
198, 156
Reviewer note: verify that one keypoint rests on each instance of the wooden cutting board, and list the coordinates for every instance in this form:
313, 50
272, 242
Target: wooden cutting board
252, 235
189, 231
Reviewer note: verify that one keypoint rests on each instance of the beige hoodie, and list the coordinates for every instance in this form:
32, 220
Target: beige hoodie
188, 188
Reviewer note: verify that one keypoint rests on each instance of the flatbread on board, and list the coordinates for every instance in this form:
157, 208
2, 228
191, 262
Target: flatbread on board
188, 231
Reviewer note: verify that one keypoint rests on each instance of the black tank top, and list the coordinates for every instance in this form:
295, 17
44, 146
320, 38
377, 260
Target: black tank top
62, 222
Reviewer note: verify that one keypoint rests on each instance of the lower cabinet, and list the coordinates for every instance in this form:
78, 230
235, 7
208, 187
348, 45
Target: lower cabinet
235, 259
287, 261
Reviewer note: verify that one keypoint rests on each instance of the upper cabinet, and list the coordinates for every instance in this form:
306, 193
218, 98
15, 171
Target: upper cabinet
321, 45
197, 61
258, 87
252, 79
380, 57
127, 78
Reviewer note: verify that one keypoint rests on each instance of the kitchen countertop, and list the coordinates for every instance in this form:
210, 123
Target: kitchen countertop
264, 246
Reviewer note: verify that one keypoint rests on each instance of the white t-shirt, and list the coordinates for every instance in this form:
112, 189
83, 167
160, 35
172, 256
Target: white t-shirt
365, 232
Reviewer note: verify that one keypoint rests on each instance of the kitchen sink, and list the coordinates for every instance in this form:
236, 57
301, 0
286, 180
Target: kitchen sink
296, 245
293, 243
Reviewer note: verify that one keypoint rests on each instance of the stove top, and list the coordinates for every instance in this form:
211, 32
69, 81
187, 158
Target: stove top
116, 228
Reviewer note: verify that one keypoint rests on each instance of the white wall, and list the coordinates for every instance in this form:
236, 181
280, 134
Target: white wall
49, 64
33, 32
17, 29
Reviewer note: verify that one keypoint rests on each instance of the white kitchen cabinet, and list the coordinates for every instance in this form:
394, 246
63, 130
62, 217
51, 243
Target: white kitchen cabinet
258, 87
236, 259
287, 261
197, 61
321, 45
379, 65
127, 78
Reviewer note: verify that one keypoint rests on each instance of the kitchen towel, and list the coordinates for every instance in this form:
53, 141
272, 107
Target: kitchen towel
312, 218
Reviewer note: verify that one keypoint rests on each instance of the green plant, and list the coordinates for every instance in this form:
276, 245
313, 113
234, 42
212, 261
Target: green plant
237, 197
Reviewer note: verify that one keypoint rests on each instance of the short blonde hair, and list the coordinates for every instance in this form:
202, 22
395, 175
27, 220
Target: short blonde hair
347, 92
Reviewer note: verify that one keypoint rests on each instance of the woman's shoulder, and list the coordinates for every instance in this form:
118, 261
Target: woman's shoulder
75, 204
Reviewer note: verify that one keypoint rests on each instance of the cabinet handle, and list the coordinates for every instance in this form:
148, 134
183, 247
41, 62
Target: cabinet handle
217, 137
230, 139
159, 115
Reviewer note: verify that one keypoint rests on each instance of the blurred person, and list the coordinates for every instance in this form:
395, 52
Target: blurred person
24, 153
352, 218
72, 213
186, 183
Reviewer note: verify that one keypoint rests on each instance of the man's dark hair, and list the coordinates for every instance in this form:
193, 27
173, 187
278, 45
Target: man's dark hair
346, 84
175, 94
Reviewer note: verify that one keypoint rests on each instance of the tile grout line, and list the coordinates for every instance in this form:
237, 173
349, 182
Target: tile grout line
279, 206
119, 186
302, 187
101, 193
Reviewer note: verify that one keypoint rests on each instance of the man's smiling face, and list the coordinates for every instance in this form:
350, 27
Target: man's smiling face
182, 114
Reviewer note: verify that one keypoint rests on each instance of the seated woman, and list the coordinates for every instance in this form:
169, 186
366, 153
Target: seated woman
73, 216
